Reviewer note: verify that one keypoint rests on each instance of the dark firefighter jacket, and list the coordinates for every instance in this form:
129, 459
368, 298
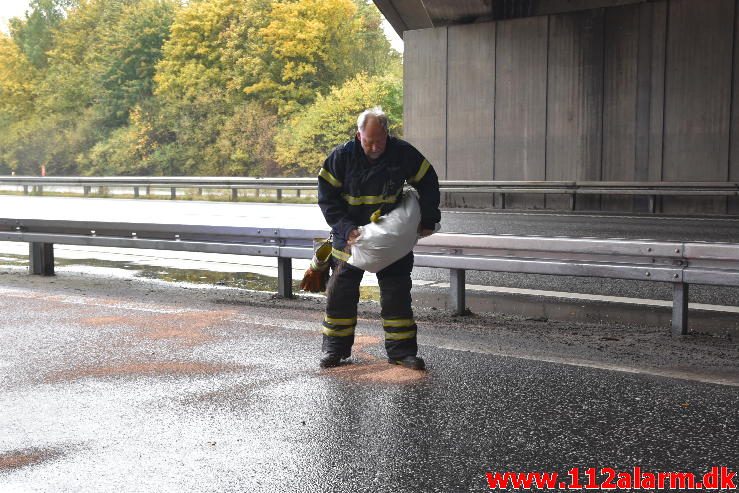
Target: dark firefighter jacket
351, 189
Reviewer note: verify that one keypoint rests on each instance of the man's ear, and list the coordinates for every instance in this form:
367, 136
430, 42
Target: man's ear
358, 137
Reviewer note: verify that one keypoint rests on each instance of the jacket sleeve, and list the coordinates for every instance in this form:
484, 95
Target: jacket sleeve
424, 179
333, 205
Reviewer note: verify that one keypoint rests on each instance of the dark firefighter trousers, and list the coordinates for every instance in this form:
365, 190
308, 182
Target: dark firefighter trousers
342, 296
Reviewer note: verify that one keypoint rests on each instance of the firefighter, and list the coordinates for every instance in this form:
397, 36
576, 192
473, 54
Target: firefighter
362, 177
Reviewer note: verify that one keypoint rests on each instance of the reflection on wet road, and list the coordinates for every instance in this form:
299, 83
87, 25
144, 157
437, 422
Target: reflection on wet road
103, 391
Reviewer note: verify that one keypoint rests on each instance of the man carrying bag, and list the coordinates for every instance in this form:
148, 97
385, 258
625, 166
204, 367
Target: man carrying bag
360, 182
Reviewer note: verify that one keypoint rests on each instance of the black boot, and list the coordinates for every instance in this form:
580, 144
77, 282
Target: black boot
412, 362
330, 360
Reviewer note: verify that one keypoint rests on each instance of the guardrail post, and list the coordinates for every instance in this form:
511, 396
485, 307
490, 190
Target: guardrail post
456, 291
86, 191
679, 309
652, 204
135, 192
573, 201
234, 194
25, 189
148, 190
297, 193
173, 193
279, 195
200, 191
502, 201
256, 192
285, 277
42, 258
40, 189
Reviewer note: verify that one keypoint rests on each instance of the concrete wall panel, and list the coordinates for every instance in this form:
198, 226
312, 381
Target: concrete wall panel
575, 98
698, 96
733, 202
520, 109
424, 98
620, 100
471, 102
471, 107
656, 16
643, 92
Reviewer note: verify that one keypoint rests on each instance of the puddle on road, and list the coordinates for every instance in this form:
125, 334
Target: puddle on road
240, 280
17, 459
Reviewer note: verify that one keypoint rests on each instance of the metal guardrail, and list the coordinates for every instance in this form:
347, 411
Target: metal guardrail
136, 183
652, 190
679, 263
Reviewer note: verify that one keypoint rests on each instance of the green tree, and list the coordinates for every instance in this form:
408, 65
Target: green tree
305, 141
194, 56
17, 81
129, 54
101, 66
181, 86
34, 34
309, 46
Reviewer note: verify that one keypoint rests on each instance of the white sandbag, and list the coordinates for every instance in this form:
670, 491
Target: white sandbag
389, 239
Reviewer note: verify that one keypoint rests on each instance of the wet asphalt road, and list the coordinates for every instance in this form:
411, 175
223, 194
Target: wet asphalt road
145, 387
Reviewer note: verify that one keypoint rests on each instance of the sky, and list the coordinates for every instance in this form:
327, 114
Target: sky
11, 8
16, 8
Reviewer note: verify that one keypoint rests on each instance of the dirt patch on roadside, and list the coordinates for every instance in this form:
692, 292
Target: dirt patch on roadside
188, 329
17, 459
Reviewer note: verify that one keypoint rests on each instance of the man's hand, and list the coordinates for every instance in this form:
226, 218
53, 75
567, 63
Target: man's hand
424, 232
353, 236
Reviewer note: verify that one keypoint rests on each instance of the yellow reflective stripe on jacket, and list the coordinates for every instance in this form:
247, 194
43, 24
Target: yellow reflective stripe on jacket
338, 333
400, 336
370, 199
329, 178
399, 322
341, 255
340, 321
425, 165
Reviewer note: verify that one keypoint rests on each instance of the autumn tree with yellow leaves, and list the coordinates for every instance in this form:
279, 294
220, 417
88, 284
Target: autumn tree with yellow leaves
168, 87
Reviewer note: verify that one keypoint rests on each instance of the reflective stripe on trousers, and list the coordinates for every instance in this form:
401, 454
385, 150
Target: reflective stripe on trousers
342, 296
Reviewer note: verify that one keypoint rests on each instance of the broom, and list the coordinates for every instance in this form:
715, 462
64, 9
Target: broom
316, 276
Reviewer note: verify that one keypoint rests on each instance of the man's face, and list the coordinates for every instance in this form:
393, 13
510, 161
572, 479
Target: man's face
373, 138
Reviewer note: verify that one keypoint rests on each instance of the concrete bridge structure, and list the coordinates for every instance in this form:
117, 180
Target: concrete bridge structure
598, 90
